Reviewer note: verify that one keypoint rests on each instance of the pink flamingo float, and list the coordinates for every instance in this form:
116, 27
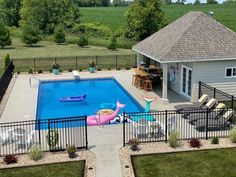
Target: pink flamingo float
104, 119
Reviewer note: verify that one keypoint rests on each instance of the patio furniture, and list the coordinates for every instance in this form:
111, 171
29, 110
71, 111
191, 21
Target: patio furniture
202, 114
200, 102
134, 78
19, 136
141, 129
148, 85
210, 105
215, 123
171, 125
76, 74
5, 136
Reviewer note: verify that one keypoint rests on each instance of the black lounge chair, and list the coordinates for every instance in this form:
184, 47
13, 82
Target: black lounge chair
200, 102
202, 114
215, 123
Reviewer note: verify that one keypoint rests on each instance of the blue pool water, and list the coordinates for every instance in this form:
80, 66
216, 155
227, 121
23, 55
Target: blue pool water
98, 91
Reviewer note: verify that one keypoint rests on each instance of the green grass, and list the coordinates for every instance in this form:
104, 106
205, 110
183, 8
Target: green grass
207, 163
114, 17
69, 169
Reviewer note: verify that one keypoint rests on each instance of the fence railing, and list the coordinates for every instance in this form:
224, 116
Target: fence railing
50, 135
76, 62
195, 123
213, 92
6, 78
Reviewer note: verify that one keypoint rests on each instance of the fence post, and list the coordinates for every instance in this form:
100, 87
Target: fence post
232, 102
76, 63
96, 58
34, 64
214, 94
135, 60
39, 130
86, 132
123, 128
55, 59
49, 135
207, 111
116, 62
166, 127
199, 89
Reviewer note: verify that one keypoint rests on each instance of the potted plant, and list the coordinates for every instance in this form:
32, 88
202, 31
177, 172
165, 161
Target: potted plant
55, 68
71, 151
92, 66
133, 144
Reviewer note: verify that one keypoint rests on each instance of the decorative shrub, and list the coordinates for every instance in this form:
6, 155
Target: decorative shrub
109, 69
215, 140
40, 71
194, 142
35, 153
7, 60
99, 69
55, 66
127, 68
82, 41
232, 135
18, 72
80, 69
71, 149
118, 68
133, 144
112, 43
9, 159
174, 139
30, 71
92, 64
59, 35
70, 70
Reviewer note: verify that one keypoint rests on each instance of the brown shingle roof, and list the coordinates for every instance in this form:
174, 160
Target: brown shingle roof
193, 37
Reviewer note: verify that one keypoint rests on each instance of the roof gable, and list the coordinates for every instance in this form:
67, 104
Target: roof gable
194, 36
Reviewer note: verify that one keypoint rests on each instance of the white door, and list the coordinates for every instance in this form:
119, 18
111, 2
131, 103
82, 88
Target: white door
186, 81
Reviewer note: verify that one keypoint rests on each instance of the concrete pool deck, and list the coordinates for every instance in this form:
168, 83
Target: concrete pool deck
104, 142
22, 102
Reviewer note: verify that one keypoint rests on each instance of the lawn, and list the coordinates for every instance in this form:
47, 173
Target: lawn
69, 169
114, 17
50, 49
207, 163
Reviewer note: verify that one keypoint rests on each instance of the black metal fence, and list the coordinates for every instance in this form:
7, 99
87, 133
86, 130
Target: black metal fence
50, 135
213, 92
76, 62
195, 123
6, 78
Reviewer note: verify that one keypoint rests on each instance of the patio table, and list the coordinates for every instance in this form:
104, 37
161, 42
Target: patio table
19, 135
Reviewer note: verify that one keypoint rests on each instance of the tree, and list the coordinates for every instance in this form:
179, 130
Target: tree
145, 17
112, 43
118, 3
7, 60
10, 11
59, 34
197, 2
82, 41
47, 14
31, 34
212, 2
5, 36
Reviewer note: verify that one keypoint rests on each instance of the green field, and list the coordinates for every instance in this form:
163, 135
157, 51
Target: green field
114, 17
69, 169
207, 163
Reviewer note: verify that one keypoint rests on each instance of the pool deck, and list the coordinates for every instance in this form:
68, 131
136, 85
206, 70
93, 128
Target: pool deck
22, 102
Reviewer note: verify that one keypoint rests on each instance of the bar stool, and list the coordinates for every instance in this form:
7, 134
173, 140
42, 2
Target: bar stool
134, 78
148, 85
140, 82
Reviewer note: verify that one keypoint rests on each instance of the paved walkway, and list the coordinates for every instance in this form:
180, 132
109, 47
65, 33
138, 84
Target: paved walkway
105, 143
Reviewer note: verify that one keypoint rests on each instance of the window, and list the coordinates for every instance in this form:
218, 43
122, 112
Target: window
230, 72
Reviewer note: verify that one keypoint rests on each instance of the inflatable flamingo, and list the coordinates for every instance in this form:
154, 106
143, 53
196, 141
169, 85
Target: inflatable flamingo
104, 119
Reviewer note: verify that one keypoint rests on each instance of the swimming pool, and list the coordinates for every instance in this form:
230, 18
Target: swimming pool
98, 91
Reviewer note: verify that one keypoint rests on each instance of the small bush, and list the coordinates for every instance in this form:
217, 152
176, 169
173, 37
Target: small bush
215, 140
70, 70
18, 72
9, 159
112, 43
99, 69
7, 60
35, 153
133, 142
127, 68
174, 139
109, 69
232, 135
60, 70
80, 69
59, 35
82, 41
194, 142
40, 71
118, 68
30, 71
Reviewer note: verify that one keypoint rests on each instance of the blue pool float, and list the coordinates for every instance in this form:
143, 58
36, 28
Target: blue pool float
73, 98
108, 106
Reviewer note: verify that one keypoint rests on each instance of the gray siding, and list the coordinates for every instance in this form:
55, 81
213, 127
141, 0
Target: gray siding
213, 73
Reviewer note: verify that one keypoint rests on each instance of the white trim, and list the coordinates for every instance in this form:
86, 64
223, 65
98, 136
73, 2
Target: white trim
187, 60
181, 81
232, 76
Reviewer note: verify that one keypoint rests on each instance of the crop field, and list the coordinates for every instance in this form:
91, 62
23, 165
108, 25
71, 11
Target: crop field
114, 17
